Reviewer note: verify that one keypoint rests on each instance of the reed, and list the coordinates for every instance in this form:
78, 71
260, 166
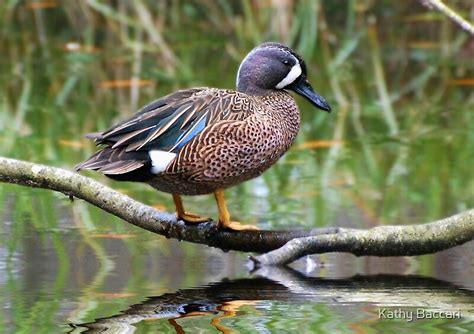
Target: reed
394, 84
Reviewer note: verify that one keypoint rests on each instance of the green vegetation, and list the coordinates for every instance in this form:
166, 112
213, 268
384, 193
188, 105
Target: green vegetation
397, 149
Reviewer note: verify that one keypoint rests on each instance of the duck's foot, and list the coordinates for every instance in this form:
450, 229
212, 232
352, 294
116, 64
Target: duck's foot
224, 216
236, 226
192, 218
186, 216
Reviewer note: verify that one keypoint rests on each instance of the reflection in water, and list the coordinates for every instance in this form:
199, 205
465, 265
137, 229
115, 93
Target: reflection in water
225, 299
66, 262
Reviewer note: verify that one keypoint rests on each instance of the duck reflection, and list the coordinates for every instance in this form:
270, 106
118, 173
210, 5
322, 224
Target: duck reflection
225, 299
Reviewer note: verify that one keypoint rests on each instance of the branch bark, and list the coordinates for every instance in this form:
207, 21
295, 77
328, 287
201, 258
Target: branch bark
380, 241
286, 245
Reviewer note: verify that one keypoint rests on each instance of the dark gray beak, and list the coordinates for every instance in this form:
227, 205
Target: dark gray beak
303, 88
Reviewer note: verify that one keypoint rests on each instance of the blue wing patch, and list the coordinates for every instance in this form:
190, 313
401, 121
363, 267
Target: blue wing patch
185, 137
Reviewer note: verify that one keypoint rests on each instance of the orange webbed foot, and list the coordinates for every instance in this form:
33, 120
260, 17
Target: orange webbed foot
192, 218
236, 226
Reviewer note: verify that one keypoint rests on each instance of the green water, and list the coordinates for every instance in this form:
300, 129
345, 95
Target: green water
398, 148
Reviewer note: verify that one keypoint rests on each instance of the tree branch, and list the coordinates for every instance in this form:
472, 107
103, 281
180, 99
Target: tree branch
143, 216
451, 14
379, 241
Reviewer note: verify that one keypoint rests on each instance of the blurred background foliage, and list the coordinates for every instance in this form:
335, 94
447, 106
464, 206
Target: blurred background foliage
398, 147
399, 77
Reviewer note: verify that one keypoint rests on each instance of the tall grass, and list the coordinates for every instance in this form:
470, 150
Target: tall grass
396, 149
393, 72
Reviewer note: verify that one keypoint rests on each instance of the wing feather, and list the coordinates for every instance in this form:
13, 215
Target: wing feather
130, 136
121, 167
178, 113
166, 124
191, 132
169, 123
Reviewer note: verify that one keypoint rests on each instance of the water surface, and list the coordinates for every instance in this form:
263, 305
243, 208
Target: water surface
397, 149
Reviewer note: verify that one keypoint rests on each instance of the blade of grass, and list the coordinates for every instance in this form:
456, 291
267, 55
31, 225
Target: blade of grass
380, 81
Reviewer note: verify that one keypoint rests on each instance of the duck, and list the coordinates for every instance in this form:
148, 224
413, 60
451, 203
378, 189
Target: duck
204, 140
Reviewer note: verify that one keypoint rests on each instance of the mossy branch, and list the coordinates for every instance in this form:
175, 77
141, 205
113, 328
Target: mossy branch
407, 240
283, 246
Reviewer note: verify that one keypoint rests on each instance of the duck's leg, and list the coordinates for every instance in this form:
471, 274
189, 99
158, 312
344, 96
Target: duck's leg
224, 215
186, 216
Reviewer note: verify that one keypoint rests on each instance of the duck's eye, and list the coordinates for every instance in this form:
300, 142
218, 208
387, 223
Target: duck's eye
286, 62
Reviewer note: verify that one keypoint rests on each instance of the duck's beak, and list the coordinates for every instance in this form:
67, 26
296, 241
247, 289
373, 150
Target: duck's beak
303, 88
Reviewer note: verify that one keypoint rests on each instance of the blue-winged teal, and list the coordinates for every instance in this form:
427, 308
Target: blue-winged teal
203, 140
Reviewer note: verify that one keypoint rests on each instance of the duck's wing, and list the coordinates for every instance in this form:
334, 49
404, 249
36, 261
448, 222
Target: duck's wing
166, 124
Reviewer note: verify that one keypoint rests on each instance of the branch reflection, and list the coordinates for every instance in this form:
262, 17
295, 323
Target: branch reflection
226, 298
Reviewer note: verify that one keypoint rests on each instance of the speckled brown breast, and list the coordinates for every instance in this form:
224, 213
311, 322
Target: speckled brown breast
230, 152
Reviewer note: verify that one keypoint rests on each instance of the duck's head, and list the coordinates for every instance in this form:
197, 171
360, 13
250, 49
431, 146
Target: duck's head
275, 66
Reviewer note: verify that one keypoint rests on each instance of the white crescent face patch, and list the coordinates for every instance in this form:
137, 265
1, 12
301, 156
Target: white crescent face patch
294, 73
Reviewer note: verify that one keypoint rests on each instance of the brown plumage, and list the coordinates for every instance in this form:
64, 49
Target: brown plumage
203, 140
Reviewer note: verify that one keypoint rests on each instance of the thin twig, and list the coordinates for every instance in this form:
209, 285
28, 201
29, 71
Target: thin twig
451, 14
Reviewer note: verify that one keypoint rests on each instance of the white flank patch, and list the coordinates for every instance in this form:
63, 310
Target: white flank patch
160, 160
294, 73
